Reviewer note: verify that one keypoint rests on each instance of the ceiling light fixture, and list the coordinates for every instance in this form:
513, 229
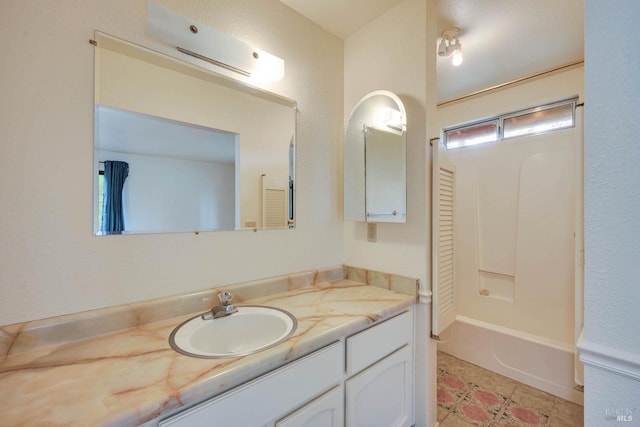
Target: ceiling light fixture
450, 45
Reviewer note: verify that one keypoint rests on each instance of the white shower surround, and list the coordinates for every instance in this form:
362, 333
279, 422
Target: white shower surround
514, 226
515, 258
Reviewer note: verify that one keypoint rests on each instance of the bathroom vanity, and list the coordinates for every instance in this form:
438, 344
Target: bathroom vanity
349, 362
316, 390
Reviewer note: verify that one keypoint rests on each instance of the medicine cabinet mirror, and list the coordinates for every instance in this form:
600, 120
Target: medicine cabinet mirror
375, 163
197, 151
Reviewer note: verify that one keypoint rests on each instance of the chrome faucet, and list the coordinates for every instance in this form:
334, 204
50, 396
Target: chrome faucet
224, 309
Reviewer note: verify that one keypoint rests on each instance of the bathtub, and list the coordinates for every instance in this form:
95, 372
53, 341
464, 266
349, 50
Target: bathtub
532, 360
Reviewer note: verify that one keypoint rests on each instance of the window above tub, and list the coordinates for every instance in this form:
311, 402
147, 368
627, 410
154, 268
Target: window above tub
532, 121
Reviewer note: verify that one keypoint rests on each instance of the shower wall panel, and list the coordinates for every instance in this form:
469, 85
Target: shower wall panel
515, 233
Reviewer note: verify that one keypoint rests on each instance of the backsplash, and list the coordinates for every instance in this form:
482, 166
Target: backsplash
392, 282
37, 334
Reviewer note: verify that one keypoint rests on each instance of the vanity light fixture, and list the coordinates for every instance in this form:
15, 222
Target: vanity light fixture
450, 45
196, 39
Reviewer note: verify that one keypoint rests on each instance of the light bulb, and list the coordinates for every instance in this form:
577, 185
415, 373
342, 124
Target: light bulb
457, 58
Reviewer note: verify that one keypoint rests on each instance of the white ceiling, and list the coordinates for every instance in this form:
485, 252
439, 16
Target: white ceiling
341, 17
502, 40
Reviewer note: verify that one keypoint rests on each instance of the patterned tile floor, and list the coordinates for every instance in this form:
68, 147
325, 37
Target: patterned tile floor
469, 395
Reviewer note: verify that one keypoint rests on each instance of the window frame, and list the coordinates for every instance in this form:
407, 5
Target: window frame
472, 125
500, 119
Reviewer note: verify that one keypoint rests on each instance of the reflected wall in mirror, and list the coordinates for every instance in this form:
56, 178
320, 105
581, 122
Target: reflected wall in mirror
375, 184
203, 152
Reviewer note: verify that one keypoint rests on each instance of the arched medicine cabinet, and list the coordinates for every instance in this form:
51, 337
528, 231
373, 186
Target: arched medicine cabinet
375, 161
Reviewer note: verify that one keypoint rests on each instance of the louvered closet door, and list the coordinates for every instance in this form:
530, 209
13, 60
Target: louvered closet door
275, 206
274, 203
442, 248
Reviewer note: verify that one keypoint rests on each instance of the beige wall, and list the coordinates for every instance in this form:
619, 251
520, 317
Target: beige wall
394, 52
390, 54
50, 263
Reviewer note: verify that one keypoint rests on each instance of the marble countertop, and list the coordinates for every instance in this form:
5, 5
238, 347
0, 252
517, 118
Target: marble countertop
132, 376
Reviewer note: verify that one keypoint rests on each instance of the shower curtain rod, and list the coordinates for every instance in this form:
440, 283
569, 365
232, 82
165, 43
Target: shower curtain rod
512, 82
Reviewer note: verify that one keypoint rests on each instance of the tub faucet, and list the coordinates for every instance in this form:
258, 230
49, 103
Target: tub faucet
224, 309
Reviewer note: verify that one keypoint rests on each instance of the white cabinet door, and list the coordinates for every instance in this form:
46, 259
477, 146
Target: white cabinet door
325, 411
381, 396
270, 396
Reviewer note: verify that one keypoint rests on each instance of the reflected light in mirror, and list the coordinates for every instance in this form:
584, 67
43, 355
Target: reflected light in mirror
390, 117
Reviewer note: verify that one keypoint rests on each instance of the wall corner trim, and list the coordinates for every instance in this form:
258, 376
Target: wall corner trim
609, 359
424, 297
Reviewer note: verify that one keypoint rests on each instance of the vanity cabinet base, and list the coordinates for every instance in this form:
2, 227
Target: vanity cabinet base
364, 380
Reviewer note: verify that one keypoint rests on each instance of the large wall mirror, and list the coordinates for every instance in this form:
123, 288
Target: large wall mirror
375, 163
178, 148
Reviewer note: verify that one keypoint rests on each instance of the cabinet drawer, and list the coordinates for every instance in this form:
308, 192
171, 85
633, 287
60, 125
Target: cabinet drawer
367, 347
269, 396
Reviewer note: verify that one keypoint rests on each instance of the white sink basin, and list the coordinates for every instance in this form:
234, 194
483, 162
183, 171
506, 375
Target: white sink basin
251, 329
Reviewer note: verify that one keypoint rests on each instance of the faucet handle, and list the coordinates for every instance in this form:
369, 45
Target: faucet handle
225, 297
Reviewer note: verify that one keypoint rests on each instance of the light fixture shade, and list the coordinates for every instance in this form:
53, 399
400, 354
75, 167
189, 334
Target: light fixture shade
196, 39
442, 48
450, 46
